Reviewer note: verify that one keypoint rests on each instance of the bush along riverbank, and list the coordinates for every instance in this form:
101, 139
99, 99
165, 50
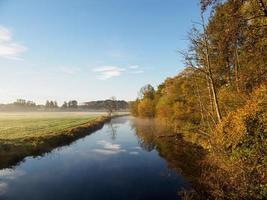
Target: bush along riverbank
15, 150
235, 166
219, 101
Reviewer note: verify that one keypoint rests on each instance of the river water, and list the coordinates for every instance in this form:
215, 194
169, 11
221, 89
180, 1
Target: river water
124, 160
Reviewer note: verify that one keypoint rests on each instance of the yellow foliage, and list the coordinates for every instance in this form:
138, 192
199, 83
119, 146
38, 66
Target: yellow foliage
164, 111
146, 108
235, 127
230, 100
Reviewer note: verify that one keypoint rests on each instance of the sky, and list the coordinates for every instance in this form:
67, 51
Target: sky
90, 49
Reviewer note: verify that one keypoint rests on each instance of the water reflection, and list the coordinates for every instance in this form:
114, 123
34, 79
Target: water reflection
108, 148
185, 157
113, 130
99, 166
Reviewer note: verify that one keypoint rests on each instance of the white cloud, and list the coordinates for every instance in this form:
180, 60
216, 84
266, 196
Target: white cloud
108, 145
107, 72
8, 48
8, 174
105, 151
108, 148
11, 174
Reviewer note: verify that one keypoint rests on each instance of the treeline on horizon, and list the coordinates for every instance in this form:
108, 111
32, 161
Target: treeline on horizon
219, 100
73, 105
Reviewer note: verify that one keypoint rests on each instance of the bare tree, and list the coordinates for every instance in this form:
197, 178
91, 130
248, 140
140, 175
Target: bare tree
111, 106
209, 71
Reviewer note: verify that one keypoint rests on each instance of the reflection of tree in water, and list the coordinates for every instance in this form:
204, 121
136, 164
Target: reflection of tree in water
113, 130
145, 130
113, 125
146, 145
209, 179
182, 156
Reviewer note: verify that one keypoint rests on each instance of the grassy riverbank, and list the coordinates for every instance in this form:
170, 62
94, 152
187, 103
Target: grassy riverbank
30, 134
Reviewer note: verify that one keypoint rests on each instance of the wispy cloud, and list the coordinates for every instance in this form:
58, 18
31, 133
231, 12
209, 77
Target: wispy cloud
6, 175
107, 72
108, 145
8, 48
11, 174
105, 151
108, 148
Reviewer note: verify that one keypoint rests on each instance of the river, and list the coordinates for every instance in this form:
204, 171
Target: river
126, 159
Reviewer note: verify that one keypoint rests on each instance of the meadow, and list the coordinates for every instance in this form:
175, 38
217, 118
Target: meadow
19, 125
35, 133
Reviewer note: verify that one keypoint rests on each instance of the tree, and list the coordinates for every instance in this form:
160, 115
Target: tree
199, 58
47, 104
219, 99
146, 108
147, 92
111, 105
134, 107
73, 104
20, 102
51, 104
64, 105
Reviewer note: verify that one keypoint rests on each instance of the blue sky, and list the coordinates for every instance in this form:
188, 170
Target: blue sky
90, 49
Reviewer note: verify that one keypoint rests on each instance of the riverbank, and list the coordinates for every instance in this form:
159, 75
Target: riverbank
115, 162
33, 137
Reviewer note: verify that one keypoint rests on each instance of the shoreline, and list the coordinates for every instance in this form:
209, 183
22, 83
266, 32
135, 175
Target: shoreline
13, 152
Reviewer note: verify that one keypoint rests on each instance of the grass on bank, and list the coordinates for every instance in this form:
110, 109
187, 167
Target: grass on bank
14, 126
30, 134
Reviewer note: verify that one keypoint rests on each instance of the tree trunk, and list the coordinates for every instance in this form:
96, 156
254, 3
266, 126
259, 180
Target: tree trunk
210, 95
237, 70
211, 80
228, 76
200, 102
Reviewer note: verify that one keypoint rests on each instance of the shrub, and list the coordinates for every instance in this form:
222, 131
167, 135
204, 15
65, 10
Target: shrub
240, 141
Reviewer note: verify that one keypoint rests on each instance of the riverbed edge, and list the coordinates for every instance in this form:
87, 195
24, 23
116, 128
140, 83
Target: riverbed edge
12, 153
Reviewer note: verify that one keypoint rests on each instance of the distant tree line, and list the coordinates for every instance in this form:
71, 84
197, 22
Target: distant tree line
109, 105
51, 104
104, 104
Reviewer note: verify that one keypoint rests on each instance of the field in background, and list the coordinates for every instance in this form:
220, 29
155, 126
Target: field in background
22, 125
31, 134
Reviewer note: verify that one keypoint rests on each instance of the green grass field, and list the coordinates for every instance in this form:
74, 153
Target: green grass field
25, 125
32, 134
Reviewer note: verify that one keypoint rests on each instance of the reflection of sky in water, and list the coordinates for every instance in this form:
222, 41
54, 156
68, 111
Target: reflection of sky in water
99, 166
5, 176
